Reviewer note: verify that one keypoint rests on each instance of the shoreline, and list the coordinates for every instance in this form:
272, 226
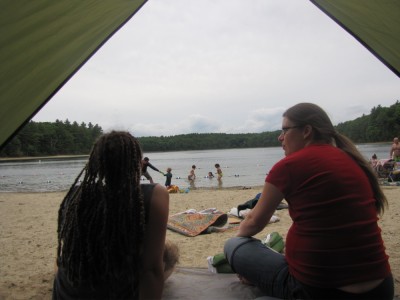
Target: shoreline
34, 158
383, 184
68, 156
238, 187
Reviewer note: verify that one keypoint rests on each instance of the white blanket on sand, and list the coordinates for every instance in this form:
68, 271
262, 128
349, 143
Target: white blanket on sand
199, 283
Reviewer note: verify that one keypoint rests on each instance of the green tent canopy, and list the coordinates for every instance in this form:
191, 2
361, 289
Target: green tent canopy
43, 43
374, 23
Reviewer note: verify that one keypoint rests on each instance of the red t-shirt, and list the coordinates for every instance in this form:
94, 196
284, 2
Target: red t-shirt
334, 239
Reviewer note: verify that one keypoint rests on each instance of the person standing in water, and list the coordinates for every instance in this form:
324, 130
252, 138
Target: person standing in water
219, 171
192, 175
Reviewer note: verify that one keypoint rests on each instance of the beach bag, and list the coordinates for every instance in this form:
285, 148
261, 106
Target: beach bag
274, 241
250, 204
173, 189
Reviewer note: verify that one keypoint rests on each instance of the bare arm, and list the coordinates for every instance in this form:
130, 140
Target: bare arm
152, 273
153, 167
259, 216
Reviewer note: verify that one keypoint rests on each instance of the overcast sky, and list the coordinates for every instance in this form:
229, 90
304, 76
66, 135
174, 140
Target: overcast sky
232, 66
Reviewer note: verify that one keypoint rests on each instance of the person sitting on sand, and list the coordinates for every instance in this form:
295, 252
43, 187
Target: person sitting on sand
374, 162
112, 229
334, 247
395, 150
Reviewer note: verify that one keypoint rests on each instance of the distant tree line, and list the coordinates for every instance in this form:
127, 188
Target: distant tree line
64, 138
381, 125
202, 141
52, 138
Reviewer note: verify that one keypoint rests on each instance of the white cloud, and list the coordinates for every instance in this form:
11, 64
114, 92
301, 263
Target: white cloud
223, 66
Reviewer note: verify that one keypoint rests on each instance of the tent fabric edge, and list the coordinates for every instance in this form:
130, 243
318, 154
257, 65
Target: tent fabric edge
30, 117
354, 35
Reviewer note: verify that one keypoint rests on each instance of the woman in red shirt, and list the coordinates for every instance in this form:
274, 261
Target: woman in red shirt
334, 248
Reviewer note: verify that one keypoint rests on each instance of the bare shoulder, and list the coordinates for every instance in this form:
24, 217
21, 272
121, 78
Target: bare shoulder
160, 191
160, 198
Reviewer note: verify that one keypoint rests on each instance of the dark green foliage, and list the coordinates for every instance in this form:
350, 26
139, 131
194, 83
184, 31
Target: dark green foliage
382, 125
202, 141
52, 138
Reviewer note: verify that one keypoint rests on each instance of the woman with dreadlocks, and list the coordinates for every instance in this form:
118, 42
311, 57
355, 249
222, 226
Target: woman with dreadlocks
111, 229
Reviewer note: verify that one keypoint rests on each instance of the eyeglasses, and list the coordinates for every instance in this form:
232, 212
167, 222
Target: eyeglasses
286, 129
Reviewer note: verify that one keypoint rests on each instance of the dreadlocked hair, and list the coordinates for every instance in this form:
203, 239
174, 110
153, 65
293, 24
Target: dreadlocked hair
101, 221
310, 114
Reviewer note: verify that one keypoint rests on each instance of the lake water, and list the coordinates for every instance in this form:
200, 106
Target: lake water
241, 168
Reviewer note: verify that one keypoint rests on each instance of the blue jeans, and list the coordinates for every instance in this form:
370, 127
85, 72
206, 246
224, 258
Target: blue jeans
269, 271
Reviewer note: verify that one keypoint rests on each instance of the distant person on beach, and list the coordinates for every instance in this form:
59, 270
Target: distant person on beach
192, 175
168, 179
334, 247
374, 162
210, 175
219, 171
395, 150
146, 163
112, 229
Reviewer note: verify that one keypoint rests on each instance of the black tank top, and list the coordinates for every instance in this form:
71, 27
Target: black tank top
63, 289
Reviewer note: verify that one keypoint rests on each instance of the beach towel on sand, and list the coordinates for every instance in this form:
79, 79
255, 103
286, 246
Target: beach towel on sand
192, 222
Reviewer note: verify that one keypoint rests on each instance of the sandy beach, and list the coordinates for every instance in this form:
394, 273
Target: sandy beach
28, 235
